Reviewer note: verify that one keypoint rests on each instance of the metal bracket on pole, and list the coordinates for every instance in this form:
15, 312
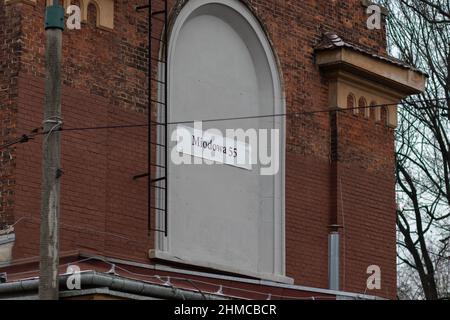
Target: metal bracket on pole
54, 16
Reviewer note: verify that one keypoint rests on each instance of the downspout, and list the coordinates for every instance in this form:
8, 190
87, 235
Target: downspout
333, 236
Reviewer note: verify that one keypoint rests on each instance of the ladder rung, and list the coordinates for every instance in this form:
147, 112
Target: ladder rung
155, 13
144, 175
156, 80
139, 176
157, 60
157, 39
159, 209
158, 102
141, 7
159, 179
159, 123
158, 145
157, 165
159, 188
158, 230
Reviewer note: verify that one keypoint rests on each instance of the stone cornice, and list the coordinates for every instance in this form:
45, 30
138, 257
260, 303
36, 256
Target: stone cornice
105, 10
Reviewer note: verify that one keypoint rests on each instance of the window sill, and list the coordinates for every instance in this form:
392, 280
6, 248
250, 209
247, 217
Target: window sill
165, 256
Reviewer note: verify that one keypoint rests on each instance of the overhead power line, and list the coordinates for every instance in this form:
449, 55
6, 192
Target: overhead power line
38, 131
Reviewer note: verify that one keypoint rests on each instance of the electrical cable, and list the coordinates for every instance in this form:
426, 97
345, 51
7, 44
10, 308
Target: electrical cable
25, 138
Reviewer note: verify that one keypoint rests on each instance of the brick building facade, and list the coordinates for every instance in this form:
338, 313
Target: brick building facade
339, 173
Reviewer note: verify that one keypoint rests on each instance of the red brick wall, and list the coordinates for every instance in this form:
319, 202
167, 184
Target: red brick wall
104, 210
102, 207
10, 49
366, 202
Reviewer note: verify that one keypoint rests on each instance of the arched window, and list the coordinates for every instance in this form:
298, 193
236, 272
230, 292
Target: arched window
362, 105
351, 103
384, 118
374, 111
221, 65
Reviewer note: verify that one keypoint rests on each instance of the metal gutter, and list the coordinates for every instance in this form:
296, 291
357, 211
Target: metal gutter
92, 279
7, 238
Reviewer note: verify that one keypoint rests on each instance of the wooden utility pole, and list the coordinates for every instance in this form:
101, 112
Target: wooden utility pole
49, 241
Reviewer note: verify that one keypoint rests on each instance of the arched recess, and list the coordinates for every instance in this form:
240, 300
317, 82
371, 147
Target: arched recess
221, 65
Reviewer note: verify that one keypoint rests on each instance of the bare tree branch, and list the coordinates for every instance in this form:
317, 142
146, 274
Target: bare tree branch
419, 33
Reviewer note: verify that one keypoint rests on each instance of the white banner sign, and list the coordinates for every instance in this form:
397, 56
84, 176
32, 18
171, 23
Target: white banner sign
214, 146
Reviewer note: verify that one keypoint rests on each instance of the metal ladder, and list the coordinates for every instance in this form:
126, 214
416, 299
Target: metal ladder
157, 162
